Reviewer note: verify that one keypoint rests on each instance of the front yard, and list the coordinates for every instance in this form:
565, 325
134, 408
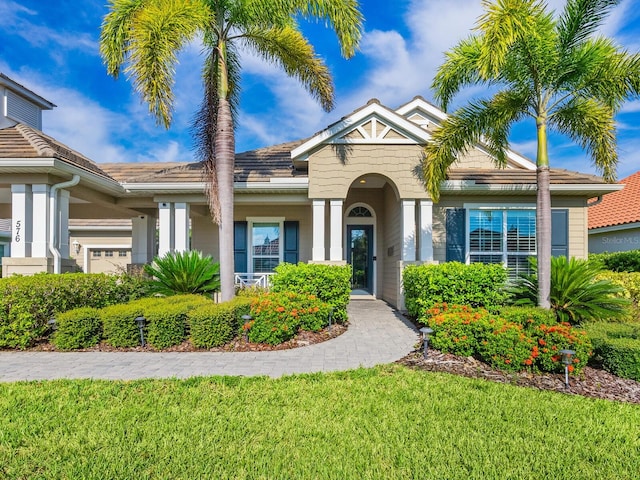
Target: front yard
389, 422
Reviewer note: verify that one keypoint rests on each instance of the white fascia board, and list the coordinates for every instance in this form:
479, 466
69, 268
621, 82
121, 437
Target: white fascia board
420, 104
25, 92
370, 110
164, 187
273, 184
57, 166
615, 228
471, 186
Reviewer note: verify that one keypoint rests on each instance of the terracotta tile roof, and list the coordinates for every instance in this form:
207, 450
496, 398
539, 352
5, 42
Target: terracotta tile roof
22, 141
252, 166
620, 207
520, 176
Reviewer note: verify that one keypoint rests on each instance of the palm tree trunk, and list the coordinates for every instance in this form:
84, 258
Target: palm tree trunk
543, 217
225, 159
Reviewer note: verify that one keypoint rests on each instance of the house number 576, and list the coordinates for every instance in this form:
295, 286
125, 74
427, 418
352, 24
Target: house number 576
18, 229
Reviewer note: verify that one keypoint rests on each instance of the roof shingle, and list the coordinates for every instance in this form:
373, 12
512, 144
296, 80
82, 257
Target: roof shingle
618, 208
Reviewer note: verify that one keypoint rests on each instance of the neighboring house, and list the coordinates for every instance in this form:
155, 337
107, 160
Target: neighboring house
100, 245
352, 193
614, 220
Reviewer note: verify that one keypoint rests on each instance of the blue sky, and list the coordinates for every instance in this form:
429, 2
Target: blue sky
52, 48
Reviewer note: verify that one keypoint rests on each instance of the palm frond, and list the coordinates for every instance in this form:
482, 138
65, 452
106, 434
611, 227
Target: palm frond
580, 20
115, 33
184, 272
590, 124
504, 23
460, 69
288, 48
344, 15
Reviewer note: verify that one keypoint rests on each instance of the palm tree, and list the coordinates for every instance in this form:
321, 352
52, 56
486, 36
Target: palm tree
554, 70
146, 36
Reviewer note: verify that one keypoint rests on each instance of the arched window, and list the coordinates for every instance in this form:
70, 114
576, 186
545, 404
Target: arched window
360, 212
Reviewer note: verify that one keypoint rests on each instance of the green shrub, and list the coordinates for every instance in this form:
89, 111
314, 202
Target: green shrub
166, 324
618, 261
617, 347
79, 328
329, 283
27, 303
216, 324
529, 317
508, 345
184, 272
476, 285
275, 318
119, 326
553, 338
576, 292
630, 284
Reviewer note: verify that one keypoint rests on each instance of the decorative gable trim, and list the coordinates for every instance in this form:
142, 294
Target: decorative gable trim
418, 104
373, 124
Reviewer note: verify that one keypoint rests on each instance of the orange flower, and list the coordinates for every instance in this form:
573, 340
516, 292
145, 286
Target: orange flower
507, 361
570, 368
542, 342
280, 309
528, 361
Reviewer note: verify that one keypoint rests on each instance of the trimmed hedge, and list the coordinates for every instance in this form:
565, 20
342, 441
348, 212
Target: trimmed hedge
166, 325
119, 326
27, 303
476, 285
79, 328
330, 283
628, 261
630, 283
216, 324
617, 346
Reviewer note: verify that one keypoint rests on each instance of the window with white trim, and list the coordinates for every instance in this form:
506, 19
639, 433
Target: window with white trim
506, 236
266, 249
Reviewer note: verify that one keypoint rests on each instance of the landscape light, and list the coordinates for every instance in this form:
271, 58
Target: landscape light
426, 331
141, 321
566, 360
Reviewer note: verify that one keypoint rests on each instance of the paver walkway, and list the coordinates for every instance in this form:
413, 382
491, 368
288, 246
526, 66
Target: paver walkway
377, 334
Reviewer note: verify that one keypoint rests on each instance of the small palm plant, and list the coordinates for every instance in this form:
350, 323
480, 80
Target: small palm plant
576, 294
184, 272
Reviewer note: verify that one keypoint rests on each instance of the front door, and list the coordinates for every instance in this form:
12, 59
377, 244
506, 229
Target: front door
360, 256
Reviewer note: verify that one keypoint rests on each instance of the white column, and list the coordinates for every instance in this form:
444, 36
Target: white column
41, 221
181, 215
426, 231
409, 230
21, 220
63, 223
166, 234
317, 251
143, 236
335, 251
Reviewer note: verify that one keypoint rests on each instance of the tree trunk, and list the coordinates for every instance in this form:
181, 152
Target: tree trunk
543, 217
225, 160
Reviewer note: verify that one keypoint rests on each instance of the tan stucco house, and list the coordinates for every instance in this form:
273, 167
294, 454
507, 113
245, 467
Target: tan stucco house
350, 193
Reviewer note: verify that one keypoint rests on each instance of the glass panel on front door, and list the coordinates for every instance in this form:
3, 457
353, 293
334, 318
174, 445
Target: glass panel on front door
361, 256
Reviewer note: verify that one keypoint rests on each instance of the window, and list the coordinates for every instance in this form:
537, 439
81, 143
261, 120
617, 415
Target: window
503, 236
96, 253
108, 253
266, 251
122, 253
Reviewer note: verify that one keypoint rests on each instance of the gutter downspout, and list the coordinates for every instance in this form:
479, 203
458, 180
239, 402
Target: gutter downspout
595, 202
53, 220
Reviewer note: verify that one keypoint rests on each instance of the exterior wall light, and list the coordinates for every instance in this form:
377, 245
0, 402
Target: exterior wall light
566, 361
426, 331
76, 246
141, 322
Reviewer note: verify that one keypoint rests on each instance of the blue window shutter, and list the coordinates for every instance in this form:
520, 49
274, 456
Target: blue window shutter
240, 247
560, 232
456, 235
291, 241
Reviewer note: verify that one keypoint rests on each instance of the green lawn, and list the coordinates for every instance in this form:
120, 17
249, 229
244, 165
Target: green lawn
383, 423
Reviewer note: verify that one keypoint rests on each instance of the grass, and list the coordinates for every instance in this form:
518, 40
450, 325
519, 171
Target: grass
388, 422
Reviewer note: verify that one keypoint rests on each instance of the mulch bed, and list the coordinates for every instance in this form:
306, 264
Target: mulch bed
302, 339
592, 382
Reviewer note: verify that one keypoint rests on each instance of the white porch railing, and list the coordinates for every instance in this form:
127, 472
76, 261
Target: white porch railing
244, 280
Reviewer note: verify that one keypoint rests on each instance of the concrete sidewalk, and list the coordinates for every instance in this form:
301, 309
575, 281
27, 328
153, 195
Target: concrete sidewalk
377, 334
